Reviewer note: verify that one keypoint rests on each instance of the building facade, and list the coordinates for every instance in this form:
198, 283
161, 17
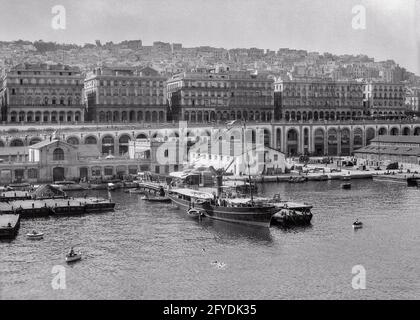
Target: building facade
55, 160
41, 93
218, 94
387, 149
125, 95
318, 99
255, 161
412, 99
385, 100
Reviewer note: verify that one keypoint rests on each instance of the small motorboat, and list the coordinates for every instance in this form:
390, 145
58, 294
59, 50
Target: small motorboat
194, 212
357, 225
35, 235
76, 256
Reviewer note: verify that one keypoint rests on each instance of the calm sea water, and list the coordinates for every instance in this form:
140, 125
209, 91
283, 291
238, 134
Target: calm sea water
153, 251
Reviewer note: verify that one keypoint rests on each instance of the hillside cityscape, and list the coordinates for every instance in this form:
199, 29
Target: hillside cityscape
172, 58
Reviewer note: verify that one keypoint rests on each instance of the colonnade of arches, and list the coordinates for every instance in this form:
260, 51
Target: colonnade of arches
45, 116
132, 116
307, 115
333, 141
292, 140
209, 116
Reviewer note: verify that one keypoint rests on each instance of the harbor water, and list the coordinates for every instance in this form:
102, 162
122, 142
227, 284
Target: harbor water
154, 251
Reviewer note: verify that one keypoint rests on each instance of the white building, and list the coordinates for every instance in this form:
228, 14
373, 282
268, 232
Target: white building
262, 160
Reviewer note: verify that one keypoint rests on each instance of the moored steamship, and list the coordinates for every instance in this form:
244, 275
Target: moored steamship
239, 210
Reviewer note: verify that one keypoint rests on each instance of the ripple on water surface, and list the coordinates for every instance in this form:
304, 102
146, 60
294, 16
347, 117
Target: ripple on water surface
153, 251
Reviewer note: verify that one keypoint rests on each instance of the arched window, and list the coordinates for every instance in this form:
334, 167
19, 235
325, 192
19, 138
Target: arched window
58, 154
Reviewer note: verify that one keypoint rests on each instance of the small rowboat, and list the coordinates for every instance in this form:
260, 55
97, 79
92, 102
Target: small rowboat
194, 212
35, 236
357, 225
73, 258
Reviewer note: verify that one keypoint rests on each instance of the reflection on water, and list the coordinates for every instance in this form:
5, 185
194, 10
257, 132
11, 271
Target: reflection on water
154, 251
225, 230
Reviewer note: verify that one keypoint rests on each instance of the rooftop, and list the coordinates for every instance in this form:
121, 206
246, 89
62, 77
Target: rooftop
396, 139
399, 151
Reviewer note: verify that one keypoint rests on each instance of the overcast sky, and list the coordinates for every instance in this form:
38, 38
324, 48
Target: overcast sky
314, 25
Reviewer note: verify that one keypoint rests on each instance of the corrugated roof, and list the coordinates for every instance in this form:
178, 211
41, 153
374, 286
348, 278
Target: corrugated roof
401, 151
397, 139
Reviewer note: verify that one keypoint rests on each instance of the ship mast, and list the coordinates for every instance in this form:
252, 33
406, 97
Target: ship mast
249, 167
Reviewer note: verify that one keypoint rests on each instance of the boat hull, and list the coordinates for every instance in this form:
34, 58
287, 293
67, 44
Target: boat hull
260, 217
157, 199
74, 258
35, 236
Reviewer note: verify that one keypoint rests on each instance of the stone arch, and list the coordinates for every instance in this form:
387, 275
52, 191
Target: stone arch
306, 140
132, 116
267, 138
116, 116
345, 141
394, 131
108, 143
142, 136
91, 140
157, 135
382, 131
58, 154
154, 116
357, 138
35, 141
417, 131
73, 140
319, 139
124, 116
139, 116
17, 143
406, 131
147, 117
124, 141
292, 138
278, 138
370, 134
332, 141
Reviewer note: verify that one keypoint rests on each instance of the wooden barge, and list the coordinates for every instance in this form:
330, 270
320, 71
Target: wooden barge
9, 225
56, 207
14, 195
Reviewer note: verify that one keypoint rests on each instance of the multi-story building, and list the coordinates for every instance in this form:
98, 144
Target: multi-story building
212, 95
318, 99
385, 99
125, 95
42, 93
412, 99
